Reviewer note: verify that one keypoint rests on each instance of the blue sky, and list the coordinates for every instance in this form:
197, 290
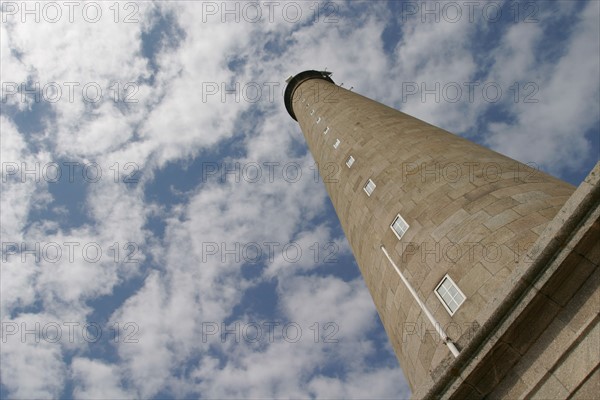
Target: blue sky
163, 231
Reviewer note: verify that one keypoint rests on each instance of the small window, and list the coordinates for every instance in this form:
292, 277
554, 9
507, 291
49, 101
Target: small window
350, 161
336, 144
369, 187
312, 112
399, 226
449, 294
325, 131
318, 120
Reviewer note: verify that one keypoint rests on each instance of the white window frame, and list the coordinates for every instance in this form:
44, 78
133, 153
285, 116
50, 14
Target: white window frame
350, 161
458, 291
318, 120
367, 185
325, 131
399, 234
336, 145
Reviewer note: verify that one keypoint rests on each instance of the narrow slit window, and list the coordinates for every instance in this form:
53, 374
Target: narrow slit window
399, 226
318, 120
350, 161
325, 131
336, 144
369, 187
449, 294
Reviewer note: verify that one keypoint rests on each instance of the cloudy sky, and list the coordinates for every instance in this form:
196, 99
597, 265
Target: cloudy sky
163, 231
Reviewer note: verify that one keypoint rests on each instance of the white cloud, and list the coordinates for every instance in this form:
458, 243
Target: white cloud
97, 380
13, 71
19, 194
430, 61
382, 383
22, 179
334, 318
32, 365
347, 304
551, 132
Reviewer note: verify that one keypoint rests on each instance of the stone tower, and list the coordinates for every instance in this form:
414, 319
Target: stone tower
443, 231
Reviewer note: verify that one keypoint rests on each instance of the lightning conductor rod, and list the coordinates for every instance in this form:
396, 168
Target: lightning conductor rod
447, 341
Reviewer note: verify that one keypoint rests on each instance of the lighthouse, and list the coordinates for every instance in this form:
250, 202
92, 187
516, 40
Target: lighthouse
455, 243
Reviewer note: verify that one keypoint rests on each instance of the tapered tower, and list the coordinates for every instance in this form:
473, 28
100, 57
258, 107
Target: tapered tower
443, 231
